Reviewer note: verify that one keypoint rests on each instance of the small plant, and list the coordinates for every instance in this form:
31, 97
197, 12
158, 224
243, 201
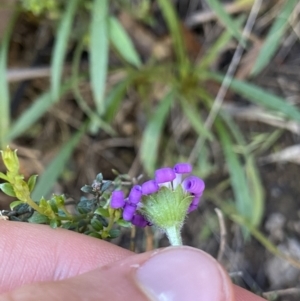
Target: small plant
163, 202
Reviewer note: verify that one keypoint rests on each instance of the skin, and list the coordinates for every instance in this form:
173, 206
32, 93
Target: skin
40, 263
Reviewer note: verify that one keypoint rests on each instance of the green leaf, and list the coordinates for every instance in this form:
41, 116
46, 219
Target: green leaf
96, 224
38, 218
99, 52
60, 48
114, 233
14, 204
4, 85
87, 189
261, 97
31, 182
8, 189
226, 19
101, 211
123, 223
274, 37
53, 223
95, 234
122, 42
152, 133
99, 177
3, 176
56, 166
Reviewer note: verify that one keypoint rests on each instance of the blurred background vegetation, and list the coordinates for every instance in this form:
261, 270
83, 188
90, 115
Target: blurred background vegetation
94, 85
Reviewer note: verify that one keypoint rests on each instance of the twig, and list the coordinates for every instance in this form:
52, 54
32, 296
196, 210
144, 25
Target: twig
227, 79
223, 234
206, 16
21, 74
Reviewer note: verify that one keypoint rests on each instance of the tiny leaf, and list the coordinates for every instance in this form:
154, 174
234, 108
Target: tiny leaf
14, 204
8, 189
31, 182
114, 233
102, 212
38, 218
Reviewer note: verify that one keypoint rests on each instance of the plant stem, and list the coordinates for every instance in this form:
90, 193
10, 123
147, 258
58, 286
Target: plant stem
173, 234
33, 205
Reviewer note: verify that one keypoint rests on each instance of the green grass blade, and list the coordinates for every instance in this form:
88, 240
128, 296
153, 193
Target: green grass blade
261, 97
122, 42
194, 117
99, 51
4, 86
274, 36
213, 53
151, 137
114, 99
39, 107
254, 182
256, 190
55, 168
60, 48
226, 19
236, 172
172, 20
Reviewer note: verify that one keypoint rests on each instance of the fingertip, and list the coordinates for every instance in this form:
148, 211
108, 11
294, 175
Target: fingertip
175, 273
184, 273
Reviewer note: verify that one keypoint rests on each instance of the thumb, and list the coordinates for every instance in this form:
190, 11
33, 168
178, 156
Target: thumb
175, 273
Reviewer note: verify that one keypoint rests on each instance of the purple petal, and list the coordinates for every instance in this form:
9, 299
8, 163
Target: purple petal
193, 185
139, 220
196, 200
128, 212
164, 175
183, 168
149, 187
192, 208
117, 199
135, 194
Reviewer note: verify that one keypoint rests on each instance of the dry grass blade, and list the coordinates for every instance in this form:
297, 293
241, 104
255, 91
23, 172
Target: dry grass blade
228, 78
223, 234
289, 154
207, 16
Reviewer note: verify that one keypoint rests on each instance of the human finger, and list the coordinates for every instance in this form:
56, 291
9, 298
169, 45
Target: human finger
30, 253
175, 273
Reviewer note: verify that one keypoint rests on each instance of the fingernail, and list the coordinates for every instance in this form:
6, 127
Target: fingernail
183, 273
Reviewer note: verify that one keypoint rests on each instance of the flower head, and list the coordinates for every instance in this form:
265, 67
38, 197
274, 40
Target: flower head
117, 199
163, 201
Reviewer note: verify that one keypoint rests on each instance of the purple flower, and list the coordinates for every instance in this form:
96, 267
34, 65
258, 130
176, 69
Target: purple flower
192, 208
117, 199
164, 175
135, 194
139, 220
196, 200
193, 184
181, 168
150, 187
128, 212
